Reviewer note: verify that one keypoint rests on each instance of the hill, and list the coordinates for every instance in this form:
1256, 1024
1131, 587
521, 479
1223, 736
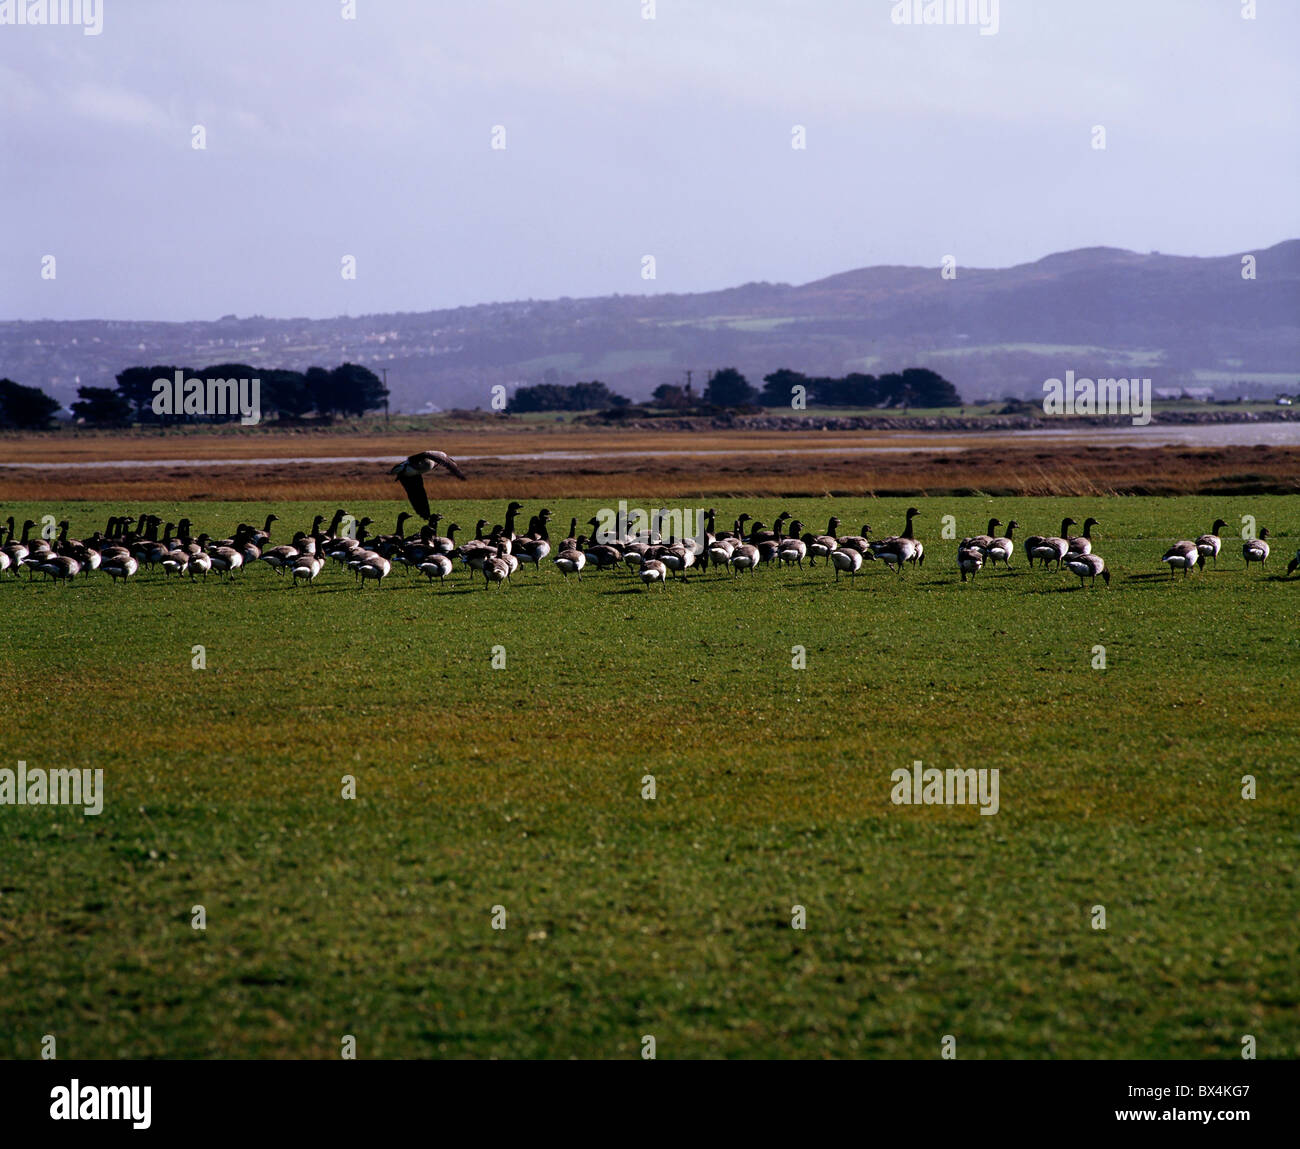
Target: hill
1182, 321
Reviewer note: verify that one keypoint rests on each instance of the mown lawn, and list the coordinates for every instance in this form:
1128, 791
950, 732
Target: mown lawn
521, 787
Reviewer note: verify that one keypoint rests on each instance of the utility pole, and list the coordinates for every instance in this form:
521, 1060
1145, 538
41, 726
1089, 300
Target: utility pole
689, 373
385, 371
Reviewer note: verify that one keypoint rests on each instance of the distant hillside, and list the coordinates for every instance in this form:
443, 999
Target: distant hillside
1182, 321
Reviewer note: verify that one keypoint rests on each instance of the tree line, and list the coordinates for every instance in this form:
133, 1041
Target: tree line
728, 388
348, 389
353, 390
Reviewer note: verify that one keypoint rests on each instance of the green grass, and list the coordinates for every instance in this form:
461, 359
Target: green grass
520, 787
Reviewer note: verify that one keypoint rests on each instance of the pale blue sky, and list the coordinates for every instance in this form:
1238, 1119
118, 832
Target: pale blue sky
624, 137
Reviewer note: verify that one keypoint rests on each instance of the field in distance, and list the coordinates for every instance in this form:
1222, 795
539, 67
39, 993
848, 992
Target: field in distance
521, 787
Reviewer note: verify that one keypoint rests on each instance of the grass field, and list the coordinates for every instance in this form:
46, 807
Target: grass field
521, 787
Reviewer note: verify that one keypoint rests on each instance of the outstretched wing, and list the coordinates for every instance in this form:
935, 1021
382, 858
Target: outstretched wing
414, 487
441, 459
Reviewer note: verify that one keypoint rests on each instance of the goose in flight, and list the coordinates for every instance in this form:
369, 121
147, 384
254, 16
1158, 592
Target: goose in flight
411, 475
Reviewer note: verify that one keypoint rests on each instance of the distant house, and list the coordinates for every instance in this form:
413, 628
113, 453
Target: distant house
1284, 401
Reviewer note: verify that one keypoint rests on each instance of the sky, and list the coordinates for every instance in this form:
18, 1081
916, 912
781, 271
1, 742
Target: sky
366, 128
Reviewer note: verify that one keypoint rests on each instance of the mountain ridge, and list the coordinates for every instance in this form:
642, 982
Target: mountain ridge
1190, 320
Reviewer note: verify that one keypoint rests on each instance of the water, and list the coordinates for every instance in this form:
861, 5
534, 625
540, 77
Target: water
1184, 435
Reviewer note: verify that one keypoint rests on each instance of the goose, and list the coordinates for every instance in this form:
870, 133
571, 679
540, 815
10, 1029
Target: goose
898, 552
307, 567
1291, 566
122, 569
436, 567
571, 560
1002, 548
261, 538
1256, 550
376, 568
708, 539
846, 559
1209, 545
744, 558
1051, 548
88, 557
970, 560
61, 568
226, 560
508, 531
446, 544
793, 549
776, 534
6, 562
981, 541
17, 551
1088, 566
411, 471
903, 548
280, 558
176, 562
497, 570
720, 551
823, 546
676, 557
537, 545
652, 571
1035, 541
737, 534
860, 543
201, 562
1082, 544
601, 555
1183, 555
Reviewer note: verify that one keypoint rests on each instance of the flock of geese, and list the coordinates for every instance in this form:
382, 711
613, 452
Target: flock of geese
129, 544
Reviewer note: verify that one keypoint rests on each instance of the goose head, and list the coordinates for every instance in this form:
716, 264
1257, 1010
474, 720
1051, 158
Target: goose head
1264, 534
1214, 530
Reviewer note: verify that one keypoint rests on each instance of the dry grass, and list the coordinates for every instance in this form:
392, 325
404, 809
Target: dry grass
635, 470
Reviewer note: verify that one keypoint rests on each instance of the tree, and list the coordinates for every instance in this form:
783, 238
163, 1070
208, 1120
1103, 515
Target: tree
778, 388
102, 407
928, 388
26, 407
670, 396
554, 397
135, 385
320, 389
286, 393
357, 389
227, 371
729, 388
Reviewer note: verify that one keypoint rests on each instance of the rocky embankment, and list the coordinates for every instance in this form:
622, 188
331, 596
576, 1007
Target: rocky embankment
938, 423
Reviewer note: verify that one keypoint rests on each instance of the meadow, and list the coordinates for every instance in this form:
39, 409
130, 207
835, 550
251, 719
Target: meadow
520, 786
